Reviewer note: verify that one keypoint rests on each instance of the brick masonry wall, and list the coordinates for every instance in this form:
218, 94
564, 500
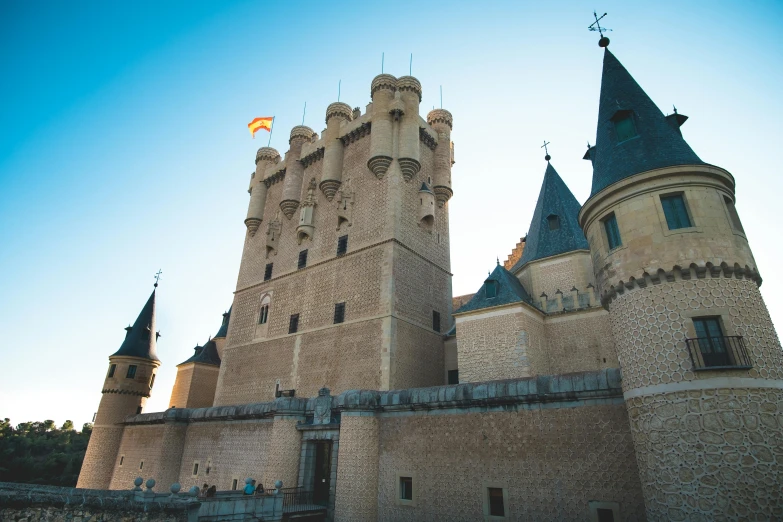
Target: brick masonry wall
558, 273
202, 389
139, 443
551, 461
97, 468
418, 357
356, 497
579, 342
182, 385
282, 457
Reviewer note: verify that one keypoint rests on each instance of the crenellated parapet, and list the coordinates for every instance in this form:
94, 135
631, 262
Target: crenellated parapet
441, 121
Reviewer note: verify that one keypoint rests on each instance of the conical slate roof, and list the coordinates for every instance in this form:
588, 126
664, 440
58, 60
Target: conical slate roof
206, 354
509, 290
658, 144
141, 337
542, 240
224, 327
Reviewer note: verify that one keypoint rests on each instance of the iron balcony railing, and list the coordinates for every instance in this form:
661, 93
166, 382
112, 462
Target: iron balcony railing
719, 353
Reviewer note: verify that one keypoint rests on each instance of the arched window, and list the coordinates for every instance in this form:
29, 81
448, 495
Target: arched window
263, 315
554, 222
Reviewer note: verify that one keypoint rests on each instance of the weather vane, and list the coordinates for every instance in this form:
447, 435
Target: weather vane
157, 277
546, 151
596, 26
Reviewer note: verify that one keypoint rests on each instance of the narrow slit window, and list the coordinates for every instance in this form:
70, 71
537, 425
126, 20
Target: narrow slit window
342, 245
122, 459
302, 260
735, 220
195, 468
152, 380
112, 368
436, 321
497, 507
141, 465
268, 272
293, 324
406, 488
234, 484
131, 372
264, 314
612, 232
339, 313
554, 222
675, 212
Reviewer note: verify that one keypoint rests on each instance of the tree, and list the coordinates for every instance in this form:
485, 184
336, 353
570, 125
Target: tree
67, 426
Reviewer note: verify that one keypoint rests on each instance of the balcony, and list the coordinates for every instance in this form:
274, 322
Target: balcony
718, 353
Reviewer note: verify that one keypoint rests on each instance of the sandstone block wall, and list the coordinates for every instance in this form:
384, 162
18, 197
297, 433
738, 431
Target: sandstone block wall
139, 444
562, 272
358, 469
194, 386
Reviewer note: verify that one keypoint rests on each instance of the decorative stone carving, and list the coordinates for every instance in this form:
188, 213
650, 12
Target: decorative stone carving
273, 235
306, 226
322, 412
345, 202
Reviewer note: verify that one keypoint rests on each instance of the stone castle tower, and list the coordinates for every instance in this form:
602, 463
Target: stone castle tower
345, 278
701, 362
127, 387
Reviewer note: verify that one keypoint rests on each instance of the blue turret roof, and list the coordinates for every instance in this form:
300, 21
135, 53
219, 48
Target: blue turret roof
508, 290
544, 240
140, 339
659, 142
206, 354
224, 326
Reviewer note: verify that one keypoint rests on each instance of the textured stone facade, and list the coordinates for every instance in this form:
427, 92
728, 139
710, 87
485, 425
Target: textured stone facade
194, 386
358, 469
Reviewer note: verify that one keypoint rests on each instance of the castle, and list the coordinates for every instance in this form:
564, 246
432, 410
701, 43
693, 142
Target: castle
621, 365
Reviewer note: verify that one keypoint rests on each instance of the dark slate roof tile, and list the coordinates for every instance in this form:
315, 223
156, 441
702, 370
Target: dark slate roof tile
140, 339
509, 290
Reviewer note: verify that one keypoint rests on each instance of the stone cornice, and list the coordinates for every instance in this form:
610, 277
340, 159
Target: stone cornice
314, 156
427, 139
125, 392
356, 134
274, 178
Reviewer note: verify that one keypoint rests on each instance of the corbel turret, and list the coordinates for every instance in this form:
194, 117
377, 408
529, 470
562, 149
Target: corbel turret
265, 157
426, 207
294, 170
332, 174
409, 158
382, 93
306, 214
441, 121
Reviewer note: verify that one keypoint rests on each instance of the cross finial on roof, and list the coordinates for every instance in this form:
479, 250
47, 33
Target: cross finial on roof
157, 277
546, 151
596, 26
498, 260
675, 109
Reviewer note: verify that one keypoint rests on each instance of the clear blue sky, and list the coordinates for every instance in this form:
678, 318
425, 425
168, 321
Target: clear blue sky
124, 146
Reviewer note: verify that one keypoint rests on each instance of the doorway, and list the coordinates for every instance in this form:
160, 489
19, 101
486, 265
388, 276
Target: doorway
322, 472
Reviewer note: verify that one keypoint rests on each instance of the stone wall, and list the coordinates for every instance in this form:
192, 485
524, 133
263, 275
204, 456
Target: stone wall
579, 342
562, 272
194, 386
140, 444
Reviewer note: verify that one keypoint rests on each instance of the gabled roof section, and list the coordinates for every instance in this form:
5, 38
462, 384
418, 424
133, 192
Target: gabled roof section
508, 290
542, 239
140, 338
224, 326
206, 354
657, 144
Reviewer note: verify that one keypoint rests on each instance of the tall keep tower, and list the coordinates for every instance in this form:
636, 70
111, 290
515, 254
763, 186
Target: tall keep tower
701, 361
126, 388
345, 279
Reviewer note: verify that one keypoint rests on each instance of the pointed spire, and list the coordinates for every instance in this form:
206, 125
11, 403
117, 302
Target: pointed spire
224, 326
140, 338
633, 135
554, 228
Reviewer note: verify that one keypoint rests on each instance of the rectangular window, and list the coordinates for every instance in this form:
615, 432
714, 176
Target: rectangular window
612, 232
141, 465
406, 488
712, 343
436, 321
453, 376
342, 245
625, 128
491, 289
195, 468
122, 459
111, 370
604, 515
268, 272
735, 220
675, 211
496, 506
131, 372
339, 313
234, 484
302, 260
293, 324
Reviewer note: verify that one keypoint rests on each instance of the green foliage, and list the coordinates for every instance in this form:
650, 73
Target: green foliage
39, 453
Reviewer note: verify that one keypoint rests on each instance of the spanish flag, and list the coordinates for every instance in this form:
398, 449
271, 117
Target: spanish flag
260, 123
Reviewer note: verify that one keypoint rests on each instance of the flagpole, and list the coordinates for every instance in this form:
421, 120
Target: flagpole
304, 111
441, 96
269, 143
410, 66
339, 84
382, 57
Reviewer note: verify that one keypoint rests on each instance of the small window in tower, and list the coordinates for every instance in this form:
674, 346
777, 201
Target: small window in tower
491, 288
195, 468
612, 231
675, 211
436, 321
263, 314
152, 380
735, 220
302, 260
131, 372
122, 459
293, 324
234, 484
112, 367
554, 222
497, 507
268, 272
141, 465
339, 313
624, 125
138, 410
342, 245
453, 376
406, 488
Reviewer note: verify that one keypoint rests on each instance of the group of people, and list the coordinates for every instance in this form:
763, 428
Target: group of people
249, 489
207, 491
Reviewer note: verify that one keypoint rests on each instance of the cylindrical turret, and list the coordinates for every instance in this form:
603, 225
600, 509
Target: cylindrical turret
410, 93
294, 170
702, 365
265, 157
441, 120
332, 173
382, 93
